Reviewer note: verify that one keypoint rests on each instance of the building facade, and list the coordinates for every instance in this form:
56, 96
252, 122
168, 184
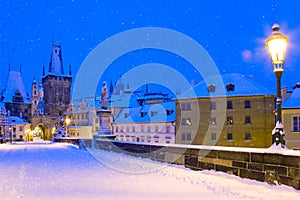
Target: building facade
291, 119
231, 110
152, 122
84, 122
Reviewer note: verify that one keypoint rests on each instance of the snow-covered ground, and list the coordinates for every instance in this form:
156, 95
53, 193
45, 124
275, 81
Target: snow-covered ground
61, 171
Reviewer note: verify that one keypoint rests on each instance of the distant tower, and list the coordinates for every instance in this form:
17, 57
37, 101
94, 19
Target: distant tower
34, 97
56, 85
15, 98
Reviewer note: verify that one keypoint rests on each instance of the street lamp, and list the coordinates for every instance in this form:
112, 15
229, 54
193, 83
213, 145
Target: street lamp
276, 44
68, 120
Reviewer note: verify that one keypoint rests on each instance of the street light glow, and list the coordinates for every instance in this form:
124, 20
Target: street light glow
276, 45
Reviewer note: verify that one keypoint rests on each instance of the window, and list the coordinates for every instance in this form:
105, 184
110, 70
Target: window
116, 129
230, 87
189, 137
168, 129
247, 136
213, 105
127, 129
247, 104
213, 136
229, 120
183, 137
186, 106
133, 129
156, 129
186, 121
142, 128
229, 136
247, 120
186, 137
296, 123
20, 128
213, 121
211, 88
149, 129
229, 105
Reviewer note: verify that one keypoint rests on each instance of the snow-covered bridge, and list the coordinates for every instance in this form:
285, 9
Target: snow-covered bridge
61, 171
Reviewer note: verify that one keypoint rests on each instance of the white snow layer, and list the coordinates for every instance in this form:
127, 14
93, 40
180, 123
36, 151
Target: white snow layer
61, 171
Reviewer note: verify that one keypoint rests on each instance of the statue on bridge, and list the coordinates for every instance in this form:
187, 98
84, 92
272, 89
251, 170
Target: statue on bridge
104, 96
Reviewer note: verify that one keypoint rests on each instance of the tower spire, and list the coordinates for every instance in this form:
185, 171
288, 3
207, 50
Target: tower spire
43, 73
70, 70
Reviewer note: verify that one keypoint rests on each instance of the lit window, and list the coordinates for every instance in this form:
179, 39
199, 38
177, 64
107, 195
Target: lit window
213, 121
229, 120
186, 121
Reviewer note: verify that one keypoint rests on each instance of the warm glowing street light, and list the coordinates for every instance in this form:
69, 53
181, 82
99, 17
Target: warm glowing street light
68, 120
276, 45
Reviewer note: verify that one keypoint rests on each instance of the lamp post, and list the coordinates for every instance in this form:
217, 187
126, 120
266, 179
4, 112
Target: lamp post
276, 44
67, 124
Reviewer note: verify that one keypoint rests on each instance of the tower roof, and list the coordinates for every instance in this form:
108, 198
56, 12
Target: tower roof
56, 64
15, 84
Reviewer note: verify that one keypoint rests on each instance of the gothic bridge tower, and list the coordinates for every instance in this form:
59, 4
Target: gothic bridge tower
56, 84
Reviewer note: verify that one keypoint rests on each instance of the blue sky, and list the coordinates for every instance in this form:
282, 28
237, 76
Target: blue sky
233, 33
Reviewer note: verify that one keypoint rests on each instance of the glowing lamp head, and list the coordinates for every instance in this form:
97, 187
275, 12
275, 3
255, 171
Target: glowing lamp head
276, 45
68, 120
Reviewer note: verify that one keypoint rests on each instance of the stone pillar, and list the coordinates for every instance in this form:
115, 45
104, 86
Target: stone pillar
104, 125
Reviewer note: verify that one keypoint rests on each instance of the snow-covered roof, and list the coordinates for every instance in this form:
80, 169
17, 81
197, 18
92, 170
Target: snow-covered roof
17, 120
123, 100
226, 85
15, 83
294, 100
149, 113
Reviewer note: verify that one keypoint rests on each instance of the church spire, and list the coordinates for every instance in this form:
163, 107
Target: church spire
70, 70
43, 73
